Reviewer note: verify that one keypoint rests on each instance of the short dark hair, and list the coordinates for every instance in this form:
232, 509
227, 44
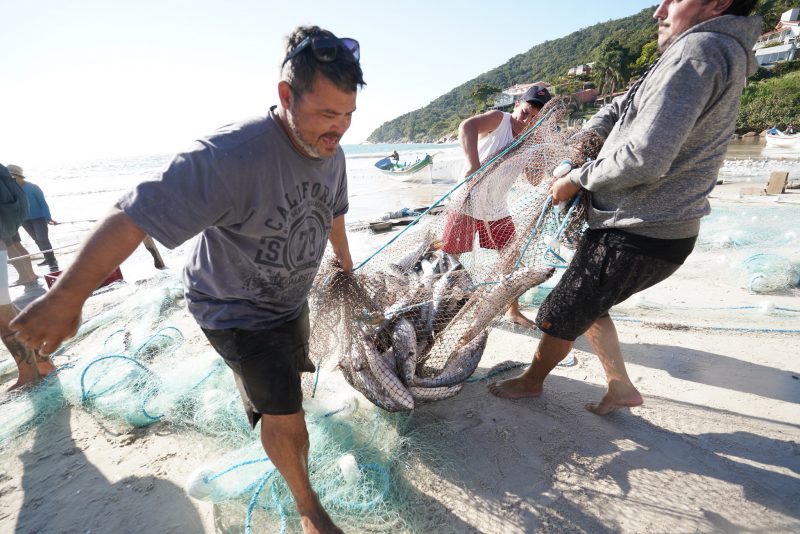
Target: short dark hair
299, 71
741, 8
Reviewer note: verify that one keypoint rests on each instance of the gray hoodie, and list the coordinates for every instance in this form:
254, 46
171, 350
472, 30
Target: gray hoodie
656, 169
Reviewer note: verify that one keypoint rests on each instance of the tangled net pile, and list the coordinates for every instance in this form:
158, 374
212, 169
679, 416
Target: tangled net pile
410, 324
142, 362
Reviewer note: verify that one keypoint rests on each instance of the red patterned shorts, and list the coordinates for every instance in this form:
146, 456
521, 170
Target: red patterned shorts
459, 233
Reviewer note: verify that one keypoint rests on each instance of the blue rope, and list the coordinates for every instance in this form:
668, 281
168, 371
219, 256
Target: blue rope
562, 226
235, 466
145, 398
510, 147
85, 392
159, 334
111, 335
254, 499
279, 505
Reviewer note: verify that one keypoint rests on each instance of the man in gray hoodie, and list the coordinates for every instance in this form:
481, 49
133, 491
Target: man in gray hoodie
665, 141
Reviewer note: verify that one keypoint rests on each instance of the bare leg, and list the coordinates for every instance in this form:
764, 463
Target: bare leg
621, 392
285, 440
150, 245
23, 266
551, 350
514, 315
26, 359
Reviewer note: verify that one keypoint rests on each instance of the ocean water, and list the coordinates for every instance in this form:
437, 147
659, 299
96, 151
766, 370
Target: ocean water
80, 193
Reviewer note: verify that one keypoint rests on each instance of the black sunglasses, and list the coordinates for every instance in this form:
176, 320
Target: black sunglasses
326, 48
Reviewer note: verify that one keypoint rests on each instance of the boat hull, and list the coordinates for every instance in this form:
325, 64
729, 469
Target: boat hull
401, 170
778, 138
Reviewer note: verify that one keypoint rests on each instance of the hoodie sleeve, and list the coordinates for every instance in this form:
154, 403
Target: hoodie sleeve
668, 108
604, 120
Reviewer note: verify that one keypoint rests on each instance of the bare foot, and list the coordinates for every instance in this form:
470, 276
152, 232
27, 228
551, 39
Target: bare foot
45, 366
25, 382
21, 282
619, 396
516, 388
318, 523
518, 318
315, 520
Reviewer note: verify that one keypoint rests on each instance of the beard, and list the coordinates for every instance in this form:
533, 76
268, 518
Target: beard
309, 149
672, 38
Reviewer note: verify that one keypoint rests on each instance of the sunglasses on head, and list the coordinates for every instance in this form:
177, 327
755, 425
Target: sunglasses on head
326, 48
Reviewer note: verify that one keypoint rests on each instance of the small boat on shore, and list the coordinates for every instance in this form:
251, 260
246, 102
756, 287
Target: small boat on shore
402, 168
776, 137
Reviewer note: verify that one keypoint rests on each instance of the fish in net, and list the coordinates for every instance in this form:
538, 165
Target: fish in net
410, 324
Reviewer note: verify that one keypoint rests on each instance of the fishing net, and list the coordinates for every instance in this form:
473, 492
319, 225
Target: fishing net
410, 324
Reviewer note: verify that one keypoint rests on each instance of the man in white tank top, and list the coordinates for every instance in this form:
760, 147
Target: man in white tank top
486, 211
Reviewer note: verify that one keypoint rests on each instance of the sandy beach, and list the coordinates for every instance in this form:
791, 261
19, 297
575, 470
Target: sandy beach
715, 447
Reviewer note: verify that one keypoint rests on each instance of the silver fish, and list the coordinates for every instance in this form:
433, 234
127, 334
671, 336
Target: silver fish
406, 264
404, 343
500, 297
361, 377
432, 394
460, 365
447, 292
364, 382
383, 367
429, 265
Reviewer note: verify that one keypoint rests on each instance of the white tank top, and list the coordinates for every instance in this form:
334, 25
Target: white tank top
487, 198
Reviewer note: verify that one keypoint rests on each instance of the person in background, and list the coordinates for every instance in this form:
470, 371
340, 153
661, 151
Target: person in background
13, 209
264, 195
481, 137
20, 259
665, 141
38, 217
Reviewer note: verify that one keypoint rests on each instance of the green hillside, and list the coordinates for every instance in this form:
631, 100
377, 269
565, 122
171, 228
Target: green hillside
621, 49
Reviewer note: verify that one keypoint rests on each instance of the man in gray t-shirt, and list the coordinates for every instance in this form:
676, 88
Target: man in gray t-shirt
264, 196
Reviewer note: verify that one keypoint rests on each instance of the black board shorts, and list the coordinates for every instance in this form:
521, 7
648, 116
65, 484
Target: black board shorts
608, 267
267, 365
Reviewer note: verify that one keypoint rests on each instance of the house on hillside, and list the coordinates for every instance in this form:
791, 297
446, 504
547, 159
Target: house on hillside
782, 43
581, 70
509, 95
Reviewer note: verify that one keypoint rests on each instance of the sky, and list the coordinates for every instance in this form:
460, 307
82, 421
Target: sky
93, 79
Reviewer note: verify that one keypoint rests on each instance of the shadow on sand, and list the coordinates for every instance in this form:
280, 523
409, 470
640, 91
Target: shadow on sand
59, 479
547, 464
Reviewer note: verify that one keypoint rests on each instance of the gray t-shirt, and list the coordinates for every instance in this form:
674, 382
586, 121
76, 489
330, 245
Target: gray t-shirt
263, 211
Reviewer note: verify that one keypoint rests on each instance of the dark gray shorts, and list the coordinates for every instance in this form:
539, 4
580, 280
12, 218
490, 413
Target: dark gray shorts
604, 271
267, 365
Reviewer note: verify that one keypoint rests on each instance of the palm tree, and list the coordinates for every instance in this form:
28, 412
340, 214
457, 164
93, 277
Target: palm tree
610, 69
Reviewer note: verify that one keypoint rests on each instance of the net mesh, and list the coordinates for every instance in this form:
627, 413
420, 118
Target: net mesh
410, 324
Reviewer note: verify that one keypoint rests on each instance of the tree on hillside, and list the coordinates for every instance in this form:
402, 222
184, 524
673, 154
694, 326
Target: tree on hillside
610, 69
646, 58
484, 95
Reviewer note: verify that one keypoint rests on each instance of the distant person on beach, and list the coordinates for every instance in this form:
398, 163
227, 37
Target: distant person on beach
665, 141
395, 156
265, 195
13, 210
38, 217
482, 136
25, 275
